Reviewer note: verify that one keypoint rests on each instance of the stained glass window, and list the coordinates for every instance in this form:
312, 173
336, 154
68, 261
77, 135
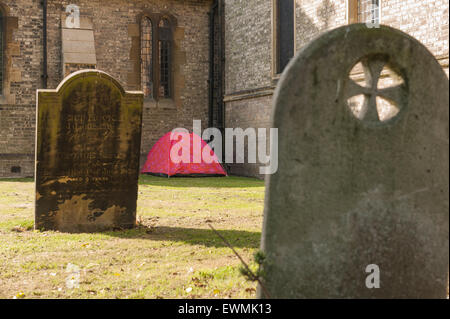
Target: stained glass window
147, 57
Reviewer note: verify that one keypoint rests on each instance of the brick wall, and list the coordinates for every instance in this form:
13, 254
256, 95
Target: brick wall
316, 16
248, 113
426, 20
247, 44
248, 70
22, 69
116, 29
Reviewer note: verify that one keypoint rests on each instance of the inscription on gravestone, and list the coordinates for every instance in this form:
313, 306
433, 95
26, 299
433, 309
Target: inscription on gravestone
87, 154
363, 172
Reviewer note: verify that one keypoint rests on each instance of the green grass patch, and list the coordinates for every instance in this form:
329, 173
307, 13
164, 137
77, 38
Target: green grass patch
171, 254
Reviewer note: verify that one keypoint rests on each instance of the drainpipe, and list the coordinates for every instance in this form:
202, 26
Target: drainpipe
211, 65
44, 30
221, 53
216, 10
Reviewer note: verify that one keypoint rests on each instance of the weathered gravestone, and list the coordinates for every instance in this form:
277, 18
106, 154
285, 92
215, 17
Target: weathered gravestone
354, 187
87, 154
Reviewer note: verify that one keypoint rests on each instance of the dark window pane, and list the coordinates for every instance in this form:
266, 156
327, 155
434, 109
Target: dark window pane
164, 63
165, 40
285, 34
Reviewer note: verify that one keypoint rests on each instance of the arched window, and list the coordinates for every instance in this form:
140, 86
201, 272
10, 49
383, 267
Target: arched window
147, 57
2, 49
156, 56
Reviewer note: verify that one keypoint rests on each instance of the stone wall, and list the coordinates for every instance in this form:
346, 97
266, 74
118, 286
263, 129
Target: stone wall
247, 44
22, 67
248, 53
426, 20
244, 113
116, 32
316, 16
248, 68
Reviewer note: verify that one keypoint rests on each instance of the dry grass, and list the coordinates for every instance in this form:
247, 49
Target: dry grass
172, 254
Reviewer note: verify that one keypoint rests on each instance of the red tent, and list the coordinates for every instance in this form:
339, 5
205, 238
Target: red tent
178, 157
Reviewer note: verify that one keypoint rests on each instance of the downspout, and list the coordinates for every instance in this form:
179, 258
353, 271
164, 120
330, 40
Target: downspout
44, 30
216, 51
221, 107
211, 65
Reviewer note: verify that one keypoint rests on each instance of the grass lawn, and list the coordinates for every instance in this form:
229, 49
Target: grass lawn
172, 254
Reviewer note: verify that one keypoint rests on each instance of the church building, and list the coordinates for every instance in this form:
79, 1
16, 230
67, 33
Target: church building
217, 61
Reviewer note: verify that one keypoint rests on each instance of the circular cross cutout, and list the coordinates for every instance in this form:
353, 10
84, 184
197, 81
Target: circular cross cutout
376, 93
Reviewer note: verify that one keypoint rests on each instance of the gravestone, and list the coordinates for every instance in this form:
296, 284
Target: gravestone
87, 154
359, 196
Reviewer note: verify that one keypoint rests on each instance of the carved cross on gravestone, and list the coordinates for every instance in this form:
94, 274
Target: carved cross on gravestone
373, 66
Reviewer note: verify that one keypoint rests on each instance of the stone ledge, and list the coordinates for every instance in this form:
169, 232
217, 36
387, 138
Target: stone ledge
16, 156
249, 94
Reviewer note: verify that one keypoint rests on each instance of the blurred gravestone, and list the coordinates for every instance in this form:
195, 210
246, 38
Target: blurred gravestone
363, 174
87, 154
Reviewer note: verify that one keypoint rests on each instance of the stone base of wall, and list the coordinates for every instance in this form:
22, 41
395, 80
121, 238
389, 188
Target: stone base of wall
17, 135
22, 165
16, 165
245, 170
248, 112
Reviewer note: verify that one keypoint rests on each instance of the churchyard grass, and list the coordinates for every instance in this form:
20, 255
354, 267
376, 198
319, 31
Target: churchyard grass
171, 254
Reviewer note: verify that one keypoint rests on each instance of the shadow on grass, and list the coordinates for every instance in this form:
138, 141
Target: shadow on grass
209, 182
192, 236
17, 180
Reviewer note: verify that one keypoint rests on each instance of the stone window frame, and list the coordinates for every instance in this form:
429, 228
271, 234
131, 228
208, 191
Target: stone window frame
3, 26
155, 19
146, 56
275, 41
353, 15
11, 49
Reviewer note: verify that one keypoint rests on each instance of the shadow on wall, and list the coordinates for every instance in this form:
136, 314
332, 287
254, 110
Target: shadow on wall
192, 236
325, 12
307, 29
